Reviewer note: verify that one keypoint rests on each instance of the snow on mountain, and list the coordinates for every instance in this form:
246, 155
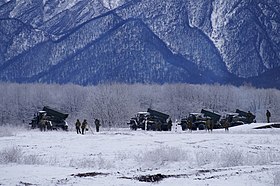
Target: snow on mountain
222, 40
247, 34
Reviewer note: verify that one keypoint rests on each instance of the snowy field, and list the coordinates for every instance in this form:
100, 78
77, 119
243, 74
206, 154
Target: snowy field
243, 156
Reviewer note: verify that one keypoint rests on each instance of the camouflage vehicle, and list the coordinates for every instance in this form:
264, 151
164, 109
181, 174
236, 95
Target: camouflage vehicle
214, 116
49, 118
150, 120
233, 118
247, 117
138, 121
238, 118
198, 120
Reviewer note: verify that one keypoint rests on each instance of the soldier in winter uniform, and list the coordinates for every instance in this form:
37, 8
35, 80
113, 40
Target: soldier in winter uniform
211, 124
169, 124
189, 123
84, 125
158, 125
268, 115
249, 117
43, 125
226, 125
97, 124
208, 124
78, 126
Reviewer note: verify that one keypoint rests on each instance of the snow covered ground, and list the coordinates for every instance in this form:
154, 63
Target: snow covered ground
243, 156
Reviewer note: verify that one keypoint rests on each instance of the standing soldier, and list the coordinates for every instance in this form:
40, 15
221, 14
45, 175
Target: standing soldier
268, 115
211, 124
189, 123
42, 125
84, 125
226, 125
78, 126
169, 124
249, 117
158, 125
97, 124
208, 124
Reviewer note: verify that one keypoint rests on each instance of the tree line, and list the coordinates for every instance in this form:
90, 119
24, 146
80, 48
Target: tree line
115, 104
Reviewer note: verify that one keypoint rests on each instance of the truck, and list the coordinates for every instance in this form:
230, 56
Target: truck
215, 116
246, 117
198, 120
49, 118
150, 120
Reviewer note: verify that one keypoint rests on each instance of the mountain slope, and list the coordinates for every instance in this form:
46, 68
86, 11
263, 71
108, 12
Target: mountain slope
220, 41
48, 53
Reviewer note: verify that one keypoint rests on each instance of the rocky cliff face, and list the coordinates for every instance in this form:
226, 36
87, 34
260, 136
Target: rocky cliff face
95, 41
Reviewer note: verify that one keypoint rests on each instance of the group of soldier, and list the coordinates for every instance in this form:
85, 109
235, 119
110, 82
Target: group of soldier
209, 124
84, 126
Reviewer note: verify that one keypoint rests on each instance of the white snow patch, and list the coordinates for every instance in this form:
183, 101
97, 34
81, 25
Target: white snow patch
243, 156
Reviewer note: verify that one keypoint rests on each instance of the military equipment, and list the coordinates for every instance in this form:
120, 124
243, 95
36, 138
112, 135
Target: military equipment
54, 113
198, 120
184, 124
150, 120
234, 119
213, 115
50, 118
248, 116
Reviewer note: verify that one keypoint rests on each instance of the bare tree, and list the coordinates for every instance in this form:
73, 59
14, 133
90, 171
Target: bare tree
114, 104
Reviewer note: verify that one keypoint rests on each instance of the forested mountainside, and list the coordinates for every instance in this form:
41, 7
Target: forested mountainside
129, 41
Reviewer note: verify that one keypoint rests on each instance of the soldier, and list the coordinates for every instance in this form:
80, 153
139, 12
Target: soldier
268, 115
249, 117
189, 123
169, 124
97, 124
78, 126
158, 125
226, 125
211, 124
42, 125
84, 125
208, 124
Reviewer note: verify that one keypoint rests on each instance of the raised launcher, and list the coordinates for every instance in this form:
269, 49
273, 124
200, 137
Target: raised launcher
150, 120
159, 120
56, 119
214, 116
248, 117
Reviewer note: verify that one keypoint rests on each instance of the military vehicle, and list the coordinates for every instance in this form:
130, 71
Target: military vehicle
138, 121
234, 119
214, 116
198, 120
150, 120
238, 117
247, 117
50, 119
